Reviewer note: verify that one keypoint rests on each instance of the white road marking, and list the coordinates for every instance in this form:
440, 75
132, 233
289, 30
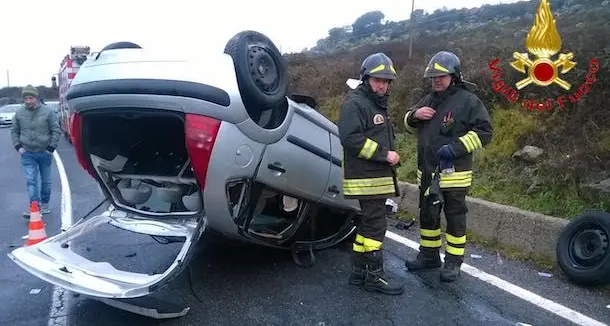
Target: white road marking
58, 313
546, 304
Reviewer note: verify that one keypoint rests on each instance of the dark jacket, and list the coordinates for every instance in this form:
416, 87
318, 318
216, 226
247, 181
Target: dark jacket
367, 135
462, 122
36, 130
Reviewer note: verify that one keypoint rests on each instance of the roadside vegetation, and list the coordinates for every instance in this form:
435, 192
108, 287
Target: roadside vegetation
565, 174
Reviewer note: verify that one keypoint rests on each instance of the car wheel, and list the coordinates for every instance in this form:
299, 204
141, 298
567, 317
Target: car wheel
262, 72
582, 249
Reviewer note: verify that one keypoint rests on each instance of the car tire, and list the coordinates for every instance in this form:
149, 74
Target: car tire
260, 90
583, 249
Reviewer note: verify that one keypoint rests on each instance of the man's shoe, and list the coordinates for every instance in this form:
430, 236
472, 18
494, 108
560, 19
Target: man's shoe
451, 269
45, 209
358, 269
376, 280
426, 259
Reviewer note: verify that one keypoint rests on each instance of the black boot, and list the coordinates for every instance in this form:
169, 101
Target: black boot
376, 279
451, 269
426, 258
358, 269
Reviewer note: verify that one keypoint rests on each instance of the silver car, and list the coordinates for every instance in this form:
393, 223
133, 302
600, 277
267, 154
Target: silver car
181, 147
7, 113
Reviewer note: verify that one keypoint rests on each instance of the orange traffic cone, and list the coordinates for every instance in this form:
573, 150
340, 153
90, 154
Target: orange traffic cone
36, 232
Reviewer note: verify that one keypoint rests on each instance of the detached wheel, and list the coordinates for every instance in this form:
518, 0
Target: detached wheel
262, 72
583, 249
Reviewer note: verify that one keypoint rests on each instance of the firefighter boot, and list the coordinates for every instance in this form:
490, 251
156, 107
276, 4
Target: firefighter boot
358, 269
451, 268
376, 279
427, 258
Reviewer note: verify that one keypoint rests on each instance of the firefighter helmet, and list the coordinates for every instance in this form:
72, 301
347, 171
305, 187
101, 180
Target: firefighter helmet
444, 63
378, 65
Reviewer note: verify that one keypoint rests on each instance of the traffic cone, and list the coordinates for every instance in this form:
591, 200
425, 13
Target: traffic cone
36, 227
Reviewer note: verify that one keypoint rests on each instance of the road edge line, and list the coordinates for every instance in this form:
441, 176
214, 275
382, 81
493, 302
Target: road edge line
546, 304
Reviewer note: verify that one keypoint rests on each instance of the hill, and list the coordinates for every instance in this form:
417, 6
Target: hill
572, 134
12, 95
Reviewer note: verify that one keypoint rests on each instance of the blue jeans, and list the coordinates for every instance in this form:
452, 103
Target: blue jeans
38, 164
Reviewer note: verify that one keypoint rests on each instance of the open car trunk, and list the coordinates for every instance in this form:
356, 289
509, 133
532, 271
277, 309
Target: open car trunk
143, 161
155, 219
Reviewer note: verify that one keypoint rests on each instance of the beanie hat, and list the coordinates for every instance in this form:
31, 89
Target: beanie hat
29, 90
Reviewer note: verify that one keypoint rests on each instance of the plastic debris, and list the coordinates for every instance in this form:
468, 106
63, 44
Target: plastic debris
608, 306
393, 204
25, 236
35, 291
476, 256
523, 324
353, 83
544, 274
499, 259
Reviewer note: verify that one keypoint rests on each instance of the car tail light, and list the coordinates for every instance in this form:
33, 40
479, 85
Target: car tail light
200, 134
76, 125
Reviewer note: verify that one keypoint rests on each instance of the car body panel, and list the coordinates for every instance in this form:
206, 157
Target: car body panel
215, 70
298, 164
305, 144
236, 157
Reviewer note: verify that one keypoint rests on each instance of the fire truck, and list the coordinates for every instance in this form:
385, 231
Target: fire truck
67, 71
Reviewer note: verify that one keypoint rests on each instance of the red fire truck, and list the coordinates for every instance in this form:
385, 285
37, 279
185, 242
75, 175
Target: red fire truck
68, 69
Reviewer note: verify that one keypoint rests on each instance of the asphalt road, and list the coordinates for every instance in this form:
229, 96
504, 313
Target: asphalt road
243, 285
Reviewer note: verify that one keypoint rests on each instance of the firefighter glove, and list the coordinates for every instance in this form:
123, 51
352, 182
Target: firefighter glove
445, 153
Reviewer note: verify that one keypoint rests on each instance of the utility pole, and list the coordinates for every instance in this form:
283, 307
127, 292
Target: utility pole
8, 79
412, 28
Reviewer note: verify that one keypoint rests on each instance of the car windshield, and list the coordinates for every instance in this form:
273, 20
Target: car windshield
10, 108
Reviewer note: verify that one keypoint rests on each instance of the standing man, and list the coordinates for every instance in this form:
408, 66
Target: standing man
35, 135
369, 158
451, 124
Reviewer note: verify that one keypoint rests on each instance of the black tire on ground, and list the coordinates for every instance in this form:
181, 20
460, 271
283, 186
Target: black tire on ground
262, 72
583, 249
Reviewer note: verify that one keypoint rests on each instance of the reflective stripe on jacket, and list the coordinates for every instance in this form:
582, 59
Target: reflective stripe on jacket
462, 122
366, 136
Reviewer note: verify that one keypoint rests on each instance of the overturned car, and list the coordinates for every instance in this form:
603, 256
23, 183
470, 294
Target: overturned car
182, 147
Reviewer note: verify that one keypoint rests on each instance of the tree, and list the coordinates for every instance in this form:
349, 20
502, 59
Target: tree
368, 23
337, 33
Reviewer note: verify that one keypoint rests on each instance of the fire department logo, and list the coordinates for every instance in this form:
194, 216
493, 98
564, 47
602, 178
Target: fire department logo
543, 42
378, 119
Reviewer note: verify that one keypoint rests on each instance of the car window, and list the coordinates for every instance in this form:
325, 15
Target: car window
10, 108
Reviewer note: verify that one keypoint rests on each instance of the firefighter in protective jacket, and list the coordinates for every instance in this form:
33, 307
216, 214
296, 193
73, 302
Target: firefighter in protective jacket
369, 158
451, 124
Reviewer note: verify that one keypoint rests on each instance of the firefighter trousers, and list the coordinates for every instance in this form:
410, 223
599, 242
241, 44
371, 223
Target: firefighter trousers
430, 224
371, 225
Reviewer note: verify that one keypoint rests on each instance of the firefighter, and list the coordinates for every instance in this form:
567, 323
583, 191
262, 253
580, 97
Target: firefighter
369, 160
451, 124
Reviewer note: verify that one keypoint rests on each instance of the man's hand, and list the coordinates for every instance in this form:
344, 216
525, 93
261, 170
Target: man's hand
425, 113
21, 151
393, 158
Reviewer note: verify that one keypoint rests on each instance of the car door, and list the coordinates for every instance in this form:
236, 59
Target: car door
334, 192
299, 163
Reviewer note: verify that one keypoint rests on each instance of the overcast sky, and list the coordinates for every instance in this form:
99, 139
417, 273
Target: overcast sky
37, 34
